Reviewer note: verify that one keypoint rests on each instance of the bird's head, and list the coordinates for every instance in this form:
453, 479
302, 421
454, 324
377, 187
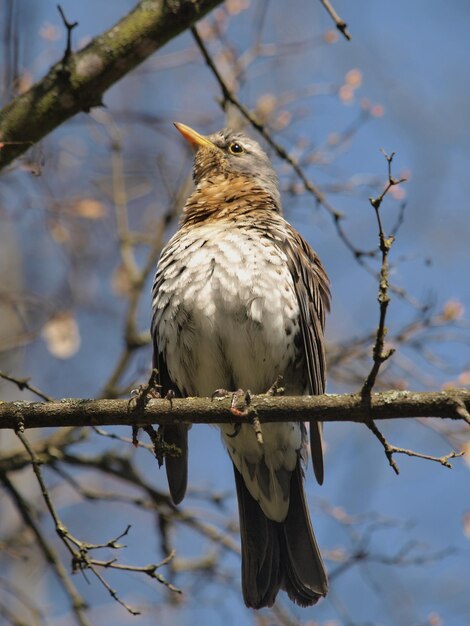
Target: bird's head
231, 154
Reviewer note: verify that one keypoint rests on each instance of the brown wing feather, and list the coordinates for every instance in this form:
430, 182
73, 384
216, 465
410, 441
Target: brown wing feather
177, 435
313, 295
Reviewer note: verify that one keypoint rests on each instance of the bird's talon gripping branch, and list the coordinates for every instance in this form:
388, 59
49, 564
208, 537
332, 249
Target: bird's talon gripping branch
234, 410
236, 430
142, 395
276, 388
255, 422
221, 394
170, 394
245, 397
139, 399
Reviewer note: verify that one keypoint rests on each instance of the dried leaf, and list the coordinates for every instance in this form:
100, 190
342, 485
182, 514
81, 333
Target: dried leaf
434, 619
49, 32
59, 232
331, 36
89, 208
346, 94
354, 78
377, 110
233, 7
452, 310
466, 524
62, 335
464, 378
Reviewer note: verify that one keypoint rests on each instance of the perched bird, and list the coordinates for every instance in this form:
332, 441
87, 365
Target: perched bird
239, 298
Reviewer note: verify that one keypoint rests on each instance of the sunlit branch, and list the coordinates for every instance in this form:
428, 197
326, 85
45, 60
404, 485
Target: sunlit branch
453, 404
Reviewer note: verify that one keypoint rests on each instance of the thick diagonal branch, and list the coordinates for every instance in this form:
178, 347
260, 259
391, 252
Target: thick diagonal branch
65, 91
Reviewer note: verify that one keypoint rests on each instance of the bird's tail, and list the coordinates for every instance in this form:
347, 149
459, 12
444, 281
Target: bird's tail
279, 555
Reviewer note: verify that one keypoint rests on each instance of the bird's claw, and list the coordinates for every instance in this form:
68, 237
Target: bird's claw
276, 388
220, 394
141, 396
240, 407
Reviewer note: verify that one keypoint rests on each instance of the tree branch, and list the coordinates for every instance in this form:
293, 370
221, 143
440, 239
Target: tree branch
77, 603
454, 404
340, 23
91, 71
385, 243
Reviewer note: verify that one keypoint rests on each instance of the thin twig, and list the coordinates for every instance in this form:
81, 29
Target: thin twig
79, 550
133, 339
385, 243
23, 383
77, 602
281, 152
380, 355
69, 27
340, 23
337, 217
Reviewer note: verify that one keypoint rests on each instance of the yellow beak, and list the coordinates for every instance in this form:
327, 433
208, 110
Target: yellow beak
194, 138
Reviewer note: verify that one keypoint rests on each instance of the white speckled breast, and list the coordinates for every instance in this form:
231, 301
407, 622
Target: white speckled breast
226, 316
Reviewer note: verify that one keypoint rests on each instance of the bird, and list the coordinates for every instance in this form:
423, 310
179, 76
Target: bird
240, 298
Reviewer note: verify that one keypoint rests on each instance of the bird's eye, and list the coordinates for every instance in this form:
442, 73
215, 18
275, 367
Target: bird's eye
235, 148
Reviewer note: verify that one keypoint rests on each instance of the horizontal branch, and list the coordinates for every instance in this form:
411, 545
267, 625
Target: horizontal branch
79, 80
453, 404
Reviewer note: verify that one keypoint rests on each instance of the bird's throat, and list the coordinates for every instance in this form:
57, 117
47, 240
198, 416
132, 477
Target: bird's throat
227, 198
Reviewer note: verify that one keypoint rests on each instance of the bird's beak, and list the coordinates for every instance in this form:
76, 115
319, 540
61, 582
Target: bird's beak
195, 139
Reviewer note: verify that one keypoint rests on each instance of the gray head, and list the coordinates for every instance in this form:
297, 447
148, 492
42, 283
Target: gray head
231, 153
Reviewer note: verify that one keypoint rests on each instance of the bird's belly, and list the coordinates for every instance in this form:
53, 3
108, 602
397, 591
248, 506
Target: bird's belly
227, 316
231, 321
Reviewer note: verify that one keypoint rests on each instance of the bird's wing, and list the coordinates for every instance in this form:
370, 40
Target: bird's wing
313, 295
177, 435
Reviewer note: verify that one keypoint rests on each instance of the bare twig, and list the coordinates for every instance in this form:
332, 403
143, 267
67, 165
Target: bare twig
24, 599
80, 550
340, 23
77, 602
379, 354
69, 27
133, 339
23, 383
360, 255
385, 243
320, 198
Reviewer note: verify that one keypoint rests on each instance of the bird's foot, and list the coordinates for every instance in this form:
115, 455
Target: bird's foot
239, 394
276, 388
240, 406
142, 395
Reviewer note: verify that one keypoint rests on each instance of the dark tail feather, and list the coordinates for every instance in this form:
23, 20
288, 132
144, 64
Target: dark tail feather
177, 435
177, 466
316, 450
261, 568
305, 578
279, 555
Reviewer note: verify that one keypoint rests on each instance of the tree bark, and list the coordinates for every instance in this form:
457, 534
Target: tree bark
328, 408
